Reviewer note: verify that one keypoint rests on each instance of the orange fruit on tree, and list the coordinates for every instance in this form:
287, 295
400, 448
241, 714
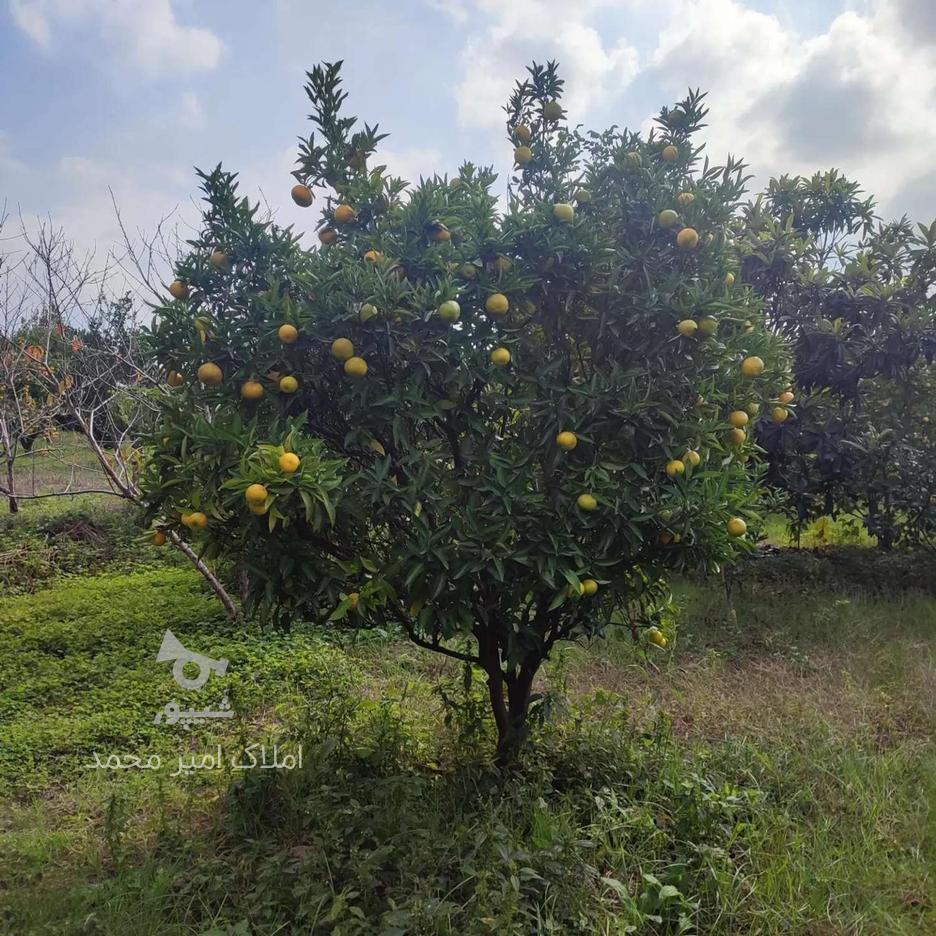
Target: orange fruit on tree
675, 468
632, 159
786, 396
368, 311
257, 509
586, 502
667, 218
729, 279
669, 153
685, 198
693, 458
178, 290
355, 367
566, 440
522, 133
563, 212
687, 239
687, 327
289, 462
328, 235
496, 304
589, 587
255, 494
301, 195
736, 527
552, 110
210, 374
174, 379
159, 538
372, 256
449, 311
219, 259
500, 357
342, 349
752, 366
344, 214
738, 418
583, 196
737, 436
656, 637
288, 384
287, 333
779, 414
708, 326
252, 390
195, 520
523, 155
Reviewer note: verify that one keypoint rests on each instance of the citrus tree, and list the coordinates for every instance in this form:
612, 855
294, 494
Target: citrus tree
500, 426
855, 297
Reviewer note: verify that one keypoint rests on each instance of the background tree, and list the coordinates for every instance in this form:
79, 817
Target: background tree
855, 296
498, 431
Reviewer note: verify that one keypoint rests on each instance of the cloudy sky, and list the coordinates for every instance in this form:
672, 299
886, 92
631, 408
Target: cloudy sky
131, 94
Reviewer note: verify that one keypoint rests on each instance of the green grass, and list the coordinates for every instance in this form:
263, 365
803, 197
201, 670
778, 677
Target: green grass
773, 772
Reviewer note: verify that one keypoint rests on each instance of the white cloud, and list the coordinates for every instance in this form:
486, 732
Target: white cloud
145, 35
190, 114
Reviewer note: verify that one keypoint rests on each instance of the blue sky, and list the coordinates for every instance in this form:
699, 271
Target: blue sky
131, 94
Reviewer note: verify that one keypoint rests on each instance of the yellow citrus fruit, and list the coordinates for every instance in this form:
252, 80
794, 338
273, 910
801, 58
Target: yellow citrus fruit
667, 218
693, 458
675, 468
729, 279
500, 357
566, 441
563, 212
752, 366
687, 327
779, 414
368, 311
355, 367
753, 409
582, 196
708, 326
669, 154
786, 396
195, 520
736, 527
344, 214
587, 502
342, 349
159, 538
748, 326
523, 155
632, 159
449, 311
656, 637
178, 290
255, 494
685, 198
589, 587
496, 304
252, 390
328, 235
552, 110
522, 133
372, 256
687, 239
219, 259
210, 374
257, 509
301, 195
737, 436
468, 271
288, 334
174, 379
288, 384
738, 418
289, 462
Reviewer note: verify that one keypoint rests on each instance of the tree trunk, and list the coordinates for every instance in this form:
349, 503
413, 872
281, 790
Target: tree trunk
513, 734
11, 482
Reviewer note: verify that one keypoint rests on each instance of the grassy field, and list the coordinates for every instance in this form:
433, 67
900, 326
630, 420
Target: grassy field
774, 772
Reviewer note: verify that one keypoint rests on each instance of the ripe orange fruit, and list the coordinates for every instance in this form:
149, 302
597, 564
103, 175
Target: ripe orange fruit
667, 218
738, 418
752, 366
736, 527
708, 326
288, 384
685, 198
355, 367
522, 133
563, 212
675, 468
632, 159
737, 436
255, 494
786, 396
497, 304
219, 259
159, 538
344, 214
670, 153
195, 520
257, 509
779, 414
687, 239
500, 357
587, 502
523, 155
210, 374
566, 441
687, 327
301, 195
372, 256
589, 587
178, 290
289, 462
655, 636
328, 235
449, 311
252, 390
729, 279
342, 348
753, 409
288, 333
368, 311
693, 458
582, 196
174, 379
552, 110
